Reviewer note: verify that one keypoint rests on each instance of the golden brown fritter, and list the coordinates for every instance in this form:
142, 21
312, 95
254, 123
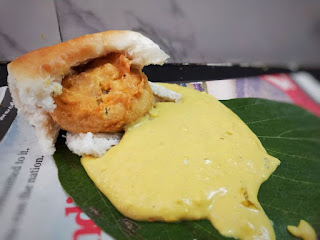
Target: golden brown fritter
103, 96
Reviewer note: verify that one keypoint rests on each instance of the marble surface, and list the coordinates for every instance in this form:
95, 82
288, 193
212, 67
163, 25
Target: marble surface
162, 21
285, 32
26, 25
275, 32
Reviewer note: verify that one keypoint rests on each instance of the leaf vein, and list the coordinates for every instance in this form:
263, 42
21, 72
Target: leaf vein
110, 212
296, 129
278, 209
291, 179
292, 138
204, 229
255, 104
290, 155
88, 200
168, 235
265, 120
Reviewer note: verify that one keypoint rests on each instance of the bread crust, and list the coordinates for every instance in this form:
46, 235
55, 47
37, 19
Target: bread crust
56, 60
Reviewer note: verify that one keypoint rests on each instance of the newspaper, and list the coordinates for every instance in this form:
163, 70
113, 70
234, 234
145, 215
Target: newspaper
33, 204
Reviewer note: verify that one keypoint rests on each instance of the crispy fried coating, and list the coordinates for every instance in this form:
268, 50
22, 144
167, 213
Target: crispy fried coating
103, 96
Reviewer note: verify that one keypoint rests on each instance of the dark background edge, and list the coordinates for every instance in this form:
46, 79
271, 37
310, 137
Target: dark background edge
198, 72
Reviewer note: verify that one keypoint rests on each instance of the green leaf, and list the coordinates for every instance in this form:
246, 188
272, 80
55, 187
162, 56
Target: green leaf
291, 193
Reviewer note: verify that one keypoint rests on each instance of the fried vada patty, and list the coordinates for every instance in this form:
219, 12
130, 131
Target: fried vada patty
102, 96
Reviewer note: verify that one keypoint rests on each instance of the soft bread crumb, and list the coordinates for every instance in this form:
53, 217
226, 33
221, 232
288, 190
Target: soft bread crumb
165, 93
92, 144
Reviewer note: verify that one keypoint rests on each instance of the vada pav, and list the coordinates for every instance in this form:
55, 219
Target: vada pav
91, 84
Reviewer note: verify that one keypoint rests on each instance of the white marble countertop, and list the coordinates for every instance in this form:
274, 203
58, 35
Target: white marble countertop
245, 31
25, 26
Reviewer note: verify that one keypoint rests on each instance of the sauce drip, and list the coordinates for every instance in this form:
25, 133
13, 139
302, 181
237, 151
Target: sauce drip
303, 231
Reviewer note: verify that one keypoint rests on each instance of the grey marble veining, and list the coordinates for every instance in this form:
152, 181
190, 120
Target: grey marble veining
25, 26
282, 32
285, 32
170, 28
10, 48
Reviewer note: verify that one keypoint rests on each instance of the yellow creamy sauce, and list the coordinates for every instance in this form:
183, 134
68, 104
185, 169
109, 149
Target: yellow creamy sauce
303, 231
190, 160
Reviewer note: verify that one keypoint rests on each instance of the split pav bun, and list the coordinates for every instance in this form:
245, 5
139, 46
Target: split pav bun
93, 83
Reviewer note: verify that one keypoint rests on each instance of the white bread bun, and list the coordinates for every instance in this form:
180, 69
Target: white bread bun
36, 76
92, 144
164, 93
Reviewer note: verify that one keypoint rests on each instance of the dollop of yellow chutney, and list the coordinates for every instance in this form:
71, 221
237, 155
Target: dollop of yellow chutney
303, 231
194, 159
